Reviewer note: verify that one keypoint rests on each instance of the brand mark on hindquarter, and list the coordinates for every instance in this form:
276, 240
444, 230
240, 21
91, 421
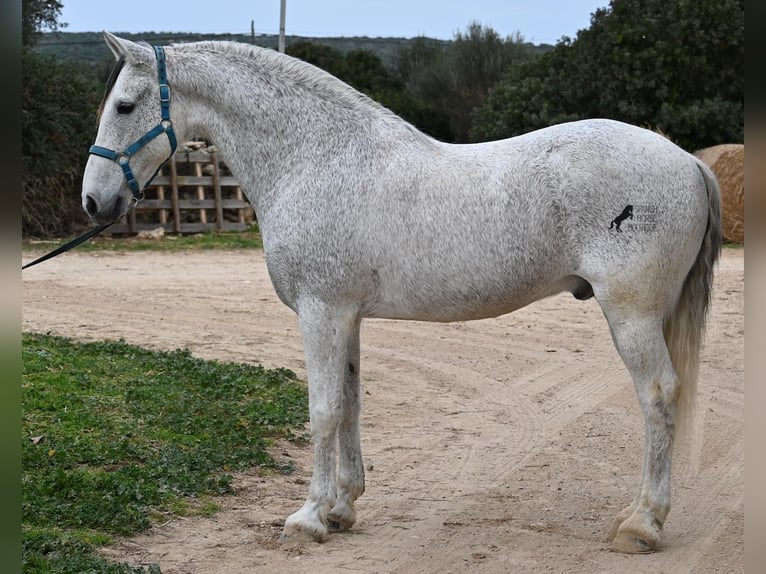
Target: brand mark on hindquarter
636, 218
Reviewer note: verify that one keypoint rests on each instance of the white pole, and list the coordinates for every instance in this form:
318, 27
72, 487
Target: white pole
282, 26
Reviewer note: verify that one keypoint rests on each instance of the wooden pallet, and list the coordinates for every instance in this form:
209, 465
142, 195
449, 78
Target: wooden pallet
189, 195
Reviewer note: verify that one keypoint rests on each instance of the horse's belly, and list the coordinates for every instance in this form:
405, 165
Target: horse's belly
457, 300
444, 314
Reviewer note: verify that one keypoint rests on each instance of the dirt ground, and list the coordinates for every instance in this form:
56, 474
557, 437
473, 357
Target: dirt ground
502, 445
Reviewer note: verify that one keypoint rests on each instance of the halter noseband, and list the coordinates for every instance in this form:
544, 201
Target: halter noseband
164, 126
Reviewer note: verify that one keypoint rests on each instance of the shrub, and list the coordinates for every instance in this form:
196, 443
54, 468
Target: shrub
58, 114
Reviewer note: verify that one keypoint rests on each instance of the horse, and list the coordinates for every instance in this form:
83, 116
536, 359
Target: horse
362, 215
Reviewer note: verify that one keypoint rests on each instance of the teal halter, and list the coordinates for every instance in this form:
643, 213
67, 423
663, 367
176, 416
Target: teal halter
165, 126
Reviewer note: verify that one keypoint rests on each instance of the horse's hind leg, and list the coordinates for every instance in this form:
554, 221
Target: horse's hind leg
639, 340
326, 332
350, 468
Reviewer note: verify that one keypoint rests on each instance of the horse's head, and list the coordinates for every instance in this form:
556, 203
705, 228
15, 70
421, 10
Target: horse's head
135, 134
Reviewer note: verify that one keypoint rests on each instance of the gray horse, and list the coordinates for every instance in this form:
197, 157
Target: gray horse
362, 215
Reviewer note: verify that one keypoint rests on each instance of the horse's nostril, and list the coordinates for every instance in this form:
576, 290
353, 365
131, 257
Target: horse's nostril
91, 205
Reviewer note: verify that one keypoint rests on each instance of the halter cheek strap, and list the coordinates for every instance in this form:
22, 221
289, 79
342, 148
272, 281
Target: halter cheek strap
165, 126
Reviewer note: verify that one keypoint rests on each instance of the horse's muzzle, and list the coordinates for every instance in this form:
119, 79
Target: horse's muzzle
102, 214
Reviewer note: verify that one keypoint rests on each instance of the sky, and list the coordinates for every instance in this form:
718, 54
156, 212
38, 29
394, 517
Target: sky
537, 21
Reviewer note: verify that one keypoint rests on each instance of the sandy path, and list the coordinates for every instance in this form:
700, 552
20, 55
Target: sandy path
502, 445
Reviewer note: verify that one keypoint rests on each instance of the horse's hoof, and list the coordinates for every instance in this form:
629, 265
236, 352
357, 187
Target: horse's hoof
340, 519
338, 525
622, 517
295, 531
629, 542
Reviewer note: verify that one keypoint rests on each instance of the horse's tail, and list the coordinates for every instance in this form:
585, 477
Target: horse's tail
684, 325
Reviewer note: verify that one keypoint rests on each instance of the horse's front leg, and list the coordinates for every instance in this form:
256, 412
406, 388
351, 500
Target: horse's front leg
325, 331
351, 468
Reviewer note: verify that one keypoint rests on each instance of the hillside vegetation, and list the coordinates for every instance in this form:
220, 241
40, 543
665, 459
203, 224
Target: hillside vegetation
90, 46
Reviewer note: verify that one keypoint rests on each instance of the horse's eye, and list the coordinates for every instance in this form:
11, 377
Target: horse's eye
125, 107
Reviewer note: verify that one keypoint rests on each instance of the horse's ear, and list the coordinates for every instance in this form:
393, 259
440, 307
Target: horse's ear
131, 51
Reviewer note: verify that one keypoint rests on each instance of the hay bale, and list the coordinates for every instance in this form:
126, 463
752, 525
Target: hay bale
727, 161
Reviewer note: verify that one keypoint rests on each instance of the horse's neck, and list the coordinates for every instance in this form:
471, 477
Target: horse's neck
265, 126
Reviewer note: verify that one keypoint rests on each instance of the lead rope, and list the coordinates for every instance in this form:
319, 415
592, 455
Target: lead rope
74, 243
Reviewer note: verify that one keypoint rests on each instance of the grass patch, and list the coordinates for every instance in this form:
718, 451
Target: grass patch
248, 239
114, 435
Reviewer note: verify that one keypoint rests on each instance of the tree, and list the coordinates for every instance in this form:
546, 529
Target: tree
415, 62
365, 71
320, 55
671, 65
457, 76
37, 15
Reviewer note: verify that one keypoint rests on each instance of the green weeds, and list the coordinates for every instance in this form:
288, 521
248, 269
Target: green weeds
114, 435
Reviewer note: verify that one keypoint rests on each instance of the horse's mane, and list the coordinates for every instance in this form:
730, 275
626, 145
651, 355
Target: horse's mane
288, 67
110, 81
